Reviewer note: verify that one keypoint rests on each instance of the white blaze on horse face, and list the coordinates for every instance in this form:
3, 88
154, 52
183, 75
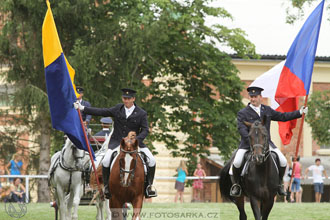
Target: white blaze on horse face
128, 160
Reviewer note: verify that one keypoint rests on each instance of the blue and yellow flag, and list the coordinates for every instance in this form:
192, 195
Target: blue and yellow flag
60, 87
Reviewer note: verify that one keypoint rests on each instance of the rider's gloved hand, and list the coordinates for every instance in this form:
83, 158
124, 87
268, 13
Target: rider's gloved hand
77, 105
303, 109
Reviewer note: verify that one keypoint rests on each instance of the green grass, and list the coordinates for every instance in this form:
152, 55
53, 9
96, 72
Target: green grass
188, 211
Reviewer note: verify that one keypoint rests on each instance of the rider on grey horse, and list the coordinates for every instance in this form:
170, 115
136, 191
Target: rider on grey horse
127, 117
256, 111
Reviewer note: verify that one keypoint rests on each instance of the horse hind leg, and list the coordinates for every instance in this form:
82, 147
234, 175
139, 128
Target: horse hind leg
239, 202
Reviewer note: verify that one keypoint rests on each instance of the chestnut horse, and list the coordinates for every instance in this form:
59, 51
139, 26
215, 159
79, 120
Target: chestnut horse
126, 180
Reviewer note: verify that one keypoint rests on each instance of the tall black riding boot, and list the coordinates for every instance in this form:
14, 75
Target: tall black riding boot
281, 190
106, 175
235, 189
149, 192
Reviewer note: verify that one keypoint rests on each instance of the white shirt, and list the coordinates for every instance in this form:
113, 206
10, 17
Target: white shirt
129, 111
317, 173
256, 109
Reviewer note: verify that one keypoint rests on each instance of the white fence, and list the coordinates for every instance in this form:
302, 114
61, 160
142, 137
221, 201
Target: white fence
28, 177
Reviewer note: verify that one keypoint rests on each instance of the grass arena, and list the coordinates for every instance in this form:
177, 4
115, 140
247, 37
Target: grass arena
184, 211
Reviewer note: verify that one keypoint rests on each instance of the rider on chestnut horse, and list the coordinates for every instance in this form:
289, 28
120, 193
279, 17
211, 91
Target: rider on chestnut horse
127, 117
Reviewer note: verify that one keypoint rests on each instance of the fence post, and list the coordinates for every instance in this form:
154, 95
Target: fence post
27, 189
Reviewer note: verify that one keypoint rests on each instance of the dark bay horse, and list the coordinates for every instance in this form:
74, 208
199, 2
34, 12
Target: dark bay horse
260, 181
126, 181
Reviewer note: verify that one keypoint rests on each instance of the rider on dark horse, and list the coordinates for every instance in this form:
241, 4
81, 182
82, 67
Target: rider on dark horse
252, 112
127, 117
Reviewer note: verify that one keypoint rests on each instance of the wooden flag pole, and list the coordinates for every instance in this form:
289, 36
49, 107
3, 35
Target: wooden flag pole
90, 156
298, 142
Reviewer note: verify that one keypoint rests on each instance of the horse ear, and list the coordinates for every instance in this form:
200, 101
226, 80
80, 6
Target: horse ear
247, 123
122, 143
136, 144
264, 119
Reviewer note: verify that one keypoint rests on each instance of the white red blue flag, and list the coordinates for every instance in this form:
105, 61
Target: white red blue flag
295, 77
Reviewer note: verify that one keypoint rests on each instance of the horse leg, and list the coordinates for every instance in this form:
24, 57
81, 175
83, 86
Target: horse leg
61, 202
137, 206
69, 200
77, 193
107, 209
266, 208
239, 202
116, 209
255, 204
99, 208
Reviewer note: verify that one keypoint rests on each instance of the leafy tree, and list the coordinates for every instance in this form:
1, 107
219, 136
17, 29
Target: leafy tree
192, 86
319, 116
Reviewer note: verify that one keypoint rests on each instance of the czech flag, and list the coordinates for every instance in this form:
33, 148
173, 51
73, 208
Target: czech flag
292, 77
60, 87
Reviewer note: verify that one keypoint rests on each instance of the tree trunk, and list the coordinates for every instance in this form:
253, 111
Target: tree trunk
44, 162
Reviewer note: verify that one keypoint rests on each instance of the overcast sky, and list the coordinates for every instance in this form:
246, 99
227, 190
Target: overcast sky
264, 23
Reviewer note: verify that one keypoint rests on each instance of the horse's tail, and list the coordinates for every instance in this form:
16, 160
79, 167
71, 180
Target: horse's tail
225, 181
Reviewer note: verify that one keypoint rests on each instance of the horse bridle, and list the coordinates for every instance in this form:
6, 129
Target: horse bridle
123, 171
264, 147
62, 161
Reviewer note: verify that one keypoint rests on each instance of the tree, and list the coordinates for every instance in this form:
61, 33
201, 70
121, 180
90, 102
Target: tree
319, 116
163, 49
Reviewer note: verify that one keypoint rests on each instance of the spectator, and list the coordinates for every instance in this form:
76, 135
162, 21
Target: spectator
295, 186
317, 171
106, 123
198, 183
287, 177
179, 183
17, 191
15, 165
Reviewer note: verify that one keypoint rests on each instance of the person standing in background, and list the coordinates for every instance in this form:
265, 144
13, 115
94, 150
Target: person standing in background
295, 185
179, 183
15, 165
198, 183
317, 170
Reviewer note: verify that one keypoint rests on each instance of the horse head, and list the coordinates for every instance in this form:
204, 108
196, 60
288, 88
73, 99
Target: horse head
79, 156
128, 158
259, 144
73, 158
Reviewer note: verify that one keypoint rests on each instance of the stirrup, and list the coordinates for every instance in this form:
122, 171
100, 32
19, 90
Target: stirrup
239, 190
153, 193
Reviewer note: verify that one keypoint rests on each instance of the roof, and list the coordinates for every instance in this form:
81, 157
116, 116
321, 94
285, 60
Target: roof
279, 57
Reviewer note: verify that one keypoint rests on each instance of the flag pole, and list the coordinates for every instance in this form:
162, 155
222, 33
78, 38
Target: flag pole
90, 156
298, 142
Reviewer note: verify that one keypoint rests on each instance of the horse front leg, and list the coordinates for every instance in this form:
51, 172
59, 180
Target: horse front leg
255, 205
69, 201
137, 206
60, 199
116, 209
266, 208
239, 202
76, 200
107, 209
99, 207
